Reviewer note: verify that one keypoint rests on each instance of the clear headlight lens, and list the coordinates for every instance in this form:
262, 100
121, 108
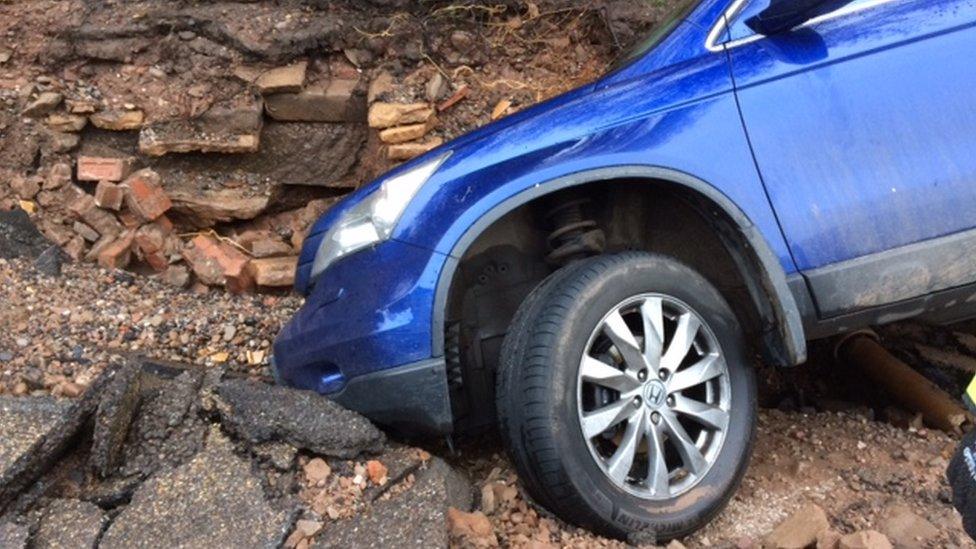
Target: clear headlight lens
375, 217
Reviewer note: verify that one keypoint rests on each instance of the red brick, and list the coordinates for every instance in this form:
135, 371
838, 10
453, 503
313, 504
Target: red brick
274, 272
117, 254
217, 263
109, 195
129, 220
145, 196
94, 168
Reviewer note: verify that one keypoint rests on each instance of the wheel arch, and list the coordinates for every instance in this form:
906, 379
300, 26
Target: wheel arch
783, 337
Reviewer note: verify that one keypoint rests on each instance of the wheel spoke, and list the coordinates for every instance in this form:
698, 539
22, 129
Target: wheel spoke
684, 336
622, 459
600, 420
599, 372
705, 414
657, 472
705, 369
653, 317
623, 339
691, 456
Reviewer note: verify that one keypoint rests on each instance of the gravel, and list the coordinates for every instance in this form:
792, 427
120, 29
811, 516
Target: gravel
61, 331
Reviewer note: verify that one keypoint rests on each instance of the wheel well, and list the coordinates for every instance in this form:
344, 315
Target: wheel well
513, 254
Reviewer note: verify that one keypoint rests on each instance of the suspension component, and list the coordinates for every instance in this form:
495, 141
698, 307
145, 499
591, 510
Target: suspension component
574, 236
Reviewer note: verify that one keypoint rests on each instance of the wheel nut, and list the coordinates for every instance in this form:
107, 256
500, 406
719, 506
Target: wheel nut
656, 417
671, 401
642, 375
637, 402
663, 374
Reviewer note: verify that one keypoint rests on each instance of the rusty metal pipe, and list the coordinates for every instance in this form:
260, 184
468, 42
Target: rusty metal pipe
905, 385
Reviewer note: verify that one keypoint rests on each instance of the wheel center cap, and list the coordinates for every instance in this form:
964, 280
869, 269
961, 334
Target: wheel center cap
655, 393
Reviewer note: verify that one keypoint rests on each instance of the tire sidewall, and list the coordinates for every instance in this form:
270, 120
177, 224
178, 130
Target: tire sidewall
627, 512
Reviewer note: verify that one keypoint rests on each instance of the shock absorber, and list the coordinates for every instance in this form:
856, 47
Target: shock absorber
574, 237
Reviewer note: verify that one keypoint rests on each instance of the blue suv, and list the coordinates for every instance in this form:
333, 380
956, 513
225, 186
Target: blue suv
595, 276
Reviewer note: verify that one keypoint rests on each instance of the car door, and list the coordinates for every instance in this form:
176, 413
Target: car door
863, 127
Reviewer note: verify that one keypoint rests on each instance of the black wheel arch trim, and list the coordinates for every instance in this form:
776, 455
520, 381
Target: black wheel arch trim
783, 334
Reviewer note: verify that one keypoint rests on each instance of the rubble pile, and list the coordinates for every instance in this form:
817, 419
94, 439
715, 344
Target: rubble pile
165, 454
199, 142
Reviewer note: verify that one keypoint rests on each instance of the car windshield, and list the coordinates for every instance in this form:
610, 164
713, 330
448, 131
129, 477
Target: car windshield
678, 10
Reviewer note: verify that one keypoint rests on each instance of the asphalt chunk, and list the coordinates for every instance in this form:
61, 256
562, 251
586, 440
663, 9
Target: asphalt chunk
260, 413
214, 500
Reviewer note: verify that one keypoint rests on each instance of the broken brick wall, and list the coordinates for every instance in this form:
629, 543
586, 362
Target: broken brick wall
200, 140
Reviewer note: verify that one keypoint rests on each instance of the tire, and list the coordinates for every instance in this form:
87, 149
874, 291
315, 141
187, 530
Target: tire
545, 395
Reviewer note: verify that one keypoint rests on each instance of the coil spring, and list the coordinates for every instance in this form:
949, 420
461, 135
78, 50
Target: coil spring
574, 236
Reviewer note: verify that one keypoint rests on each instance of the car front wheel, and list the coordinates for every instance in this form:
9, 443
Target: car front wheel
626, 396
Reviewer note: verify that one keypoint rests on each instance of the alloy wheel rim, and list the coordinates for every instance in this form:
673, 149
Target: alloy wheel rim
653, 396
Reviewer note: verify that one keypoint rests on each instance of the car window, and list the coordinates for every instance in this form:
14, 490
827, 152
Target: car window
738, 29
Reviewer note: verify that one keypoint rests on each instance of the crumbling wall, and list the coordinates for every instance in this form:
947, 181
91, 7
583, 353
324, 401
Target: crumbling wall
199, 140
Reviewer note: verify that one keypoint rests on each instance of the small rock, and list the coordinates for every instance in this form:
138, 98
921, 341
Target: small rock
487, 499
67, 123
43, 105
436, 87
316, 471
118, 120
287, 79
308, 528
408, 151
176, 275
381, 85
800, 530
469, 526
387, 115
49, 262
868, 539
905, 529
377, 472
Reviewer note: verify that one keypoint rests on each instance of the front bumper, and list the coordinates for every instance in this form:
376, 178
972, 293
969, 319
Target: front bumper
364, 339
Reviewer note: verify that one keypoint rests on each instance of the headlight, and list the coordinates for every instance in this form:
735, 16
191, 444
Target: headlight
374, 218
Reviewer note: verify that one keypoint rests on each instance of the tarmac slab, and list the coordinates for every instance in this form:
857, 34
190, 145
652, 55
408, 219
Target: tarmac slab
214, 500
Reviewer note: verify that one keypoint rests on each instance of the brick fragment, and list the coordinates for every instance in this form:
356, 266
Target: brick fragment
116, 254
84, 207
96, 168
217, 263
144, 195
335, 101
118, 120
109, 195
274, 272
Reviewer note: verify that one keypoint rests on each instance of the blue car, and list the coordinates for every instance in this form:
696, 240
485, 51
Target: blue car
596, 276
